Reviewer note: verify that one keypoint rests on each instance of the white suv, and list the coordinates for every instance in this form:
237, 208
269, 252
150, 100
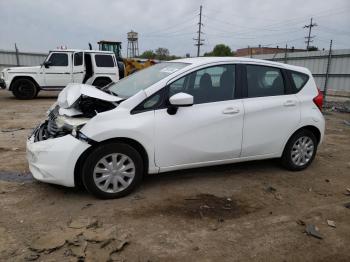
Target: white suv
181, 114
61, 67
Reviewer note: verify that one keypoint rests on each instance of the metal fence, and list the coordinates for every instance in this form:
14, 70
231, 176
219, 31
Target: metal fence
13, 58
338, 65
322, 65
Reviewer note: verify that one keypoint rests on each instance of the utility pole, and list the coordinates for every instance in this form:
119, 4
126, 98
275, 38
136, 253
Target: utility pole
285, 54
198, 39
17, 55
309, 37
327, 70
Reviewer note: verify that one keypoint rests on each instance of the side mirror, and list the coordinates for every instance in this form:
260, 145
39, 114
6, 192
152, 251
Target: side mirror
47, 64
179, 100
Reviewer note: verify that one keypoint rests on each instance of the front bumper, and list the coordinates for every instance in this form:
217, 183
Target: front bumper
53, 160
2, 83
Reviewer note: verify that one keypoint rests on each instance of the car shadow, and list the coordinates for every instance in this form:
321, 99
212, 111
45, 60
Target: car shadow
251, 169
236, 169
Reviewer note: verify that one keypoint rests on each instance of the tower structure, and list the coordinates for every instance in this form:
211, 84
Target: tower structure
133, 44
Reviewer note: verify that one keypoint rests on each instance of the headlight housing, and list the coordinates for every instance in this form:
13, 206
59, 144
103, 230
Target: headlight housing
79, 135
70, 123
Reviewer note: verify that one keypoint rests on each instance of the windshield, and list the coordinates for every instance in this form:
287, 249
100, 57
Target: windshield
142, 79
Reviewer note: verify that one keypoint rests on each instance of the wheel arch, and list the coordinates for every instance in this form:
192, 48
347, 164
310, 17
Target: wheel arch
131, 142
23, 77
316, 131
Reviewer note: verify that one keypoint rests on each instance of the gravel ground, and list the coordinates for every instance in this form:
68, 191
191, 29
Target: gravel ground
253, 211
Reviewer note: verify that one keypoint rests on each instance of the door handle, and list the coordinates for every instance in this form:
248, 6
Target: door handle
230, 111
290, 103
67, 73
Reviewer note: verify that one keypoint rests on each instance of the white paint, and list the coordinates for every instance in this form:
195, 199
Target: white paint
181, 99
198, 135
59, 76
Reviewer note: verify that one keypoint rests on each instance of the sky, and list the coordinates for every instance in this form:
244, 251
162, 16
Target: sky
41, 25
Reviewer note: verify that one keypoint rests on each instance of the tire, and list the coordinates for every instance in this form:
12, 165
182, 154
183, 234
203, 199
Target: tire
24, 89
101, 82
300, 150
106, 165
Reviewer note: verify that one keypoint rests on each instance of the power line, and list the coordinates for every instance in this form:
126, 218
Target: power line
309, 37
284, 42
250, 36
279, 26
319, 13
198, 39
169, 27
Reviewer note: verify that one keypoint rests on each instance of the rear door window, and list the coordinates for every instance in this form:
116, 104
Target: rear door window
78, 59
104, 61
264, 81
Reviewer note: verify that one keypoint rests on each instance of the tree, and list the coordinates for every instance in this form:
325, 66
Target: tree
220, 50
148, 54
312, 48
162, 53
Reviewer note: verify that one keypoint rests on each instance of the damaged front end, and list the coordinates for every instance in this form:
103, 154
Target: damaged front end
75, 106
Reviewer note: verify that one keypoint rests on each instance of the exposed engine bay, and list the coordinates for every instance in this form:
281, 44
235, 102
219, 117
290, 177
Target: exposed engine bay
75, 106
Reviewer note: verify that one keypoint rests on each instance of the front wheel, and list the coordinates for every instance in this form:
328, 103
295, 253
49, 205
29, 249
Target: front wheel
112, 171
300, 150
24, 89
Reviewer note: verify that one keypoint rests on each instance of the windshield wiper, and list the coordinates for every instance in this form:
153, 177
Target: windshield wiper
112, 93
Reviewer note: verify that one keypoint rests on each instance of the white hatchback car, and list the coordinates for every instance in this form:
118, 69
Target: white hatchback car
181, 114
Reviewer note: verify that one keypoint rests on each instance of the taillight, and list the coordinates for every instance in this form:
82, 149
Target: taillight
318, 100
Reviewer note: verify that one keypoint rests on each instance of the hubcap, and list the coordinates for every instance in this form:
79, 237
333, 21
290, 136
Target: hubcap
302, 151
114, 173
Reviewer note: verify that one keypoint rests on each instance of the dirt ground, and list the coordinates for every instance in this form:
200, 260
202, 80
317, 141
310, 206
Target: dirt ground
242, 212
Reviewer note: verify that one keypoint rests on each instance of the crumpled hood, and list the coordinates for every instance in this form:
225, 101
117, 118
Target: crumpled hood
72, 92
24, 69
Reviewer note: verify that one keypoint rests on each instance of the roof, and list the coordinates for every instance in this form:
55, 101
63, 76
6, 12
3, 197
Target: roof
198, 61
109, 42
81, 50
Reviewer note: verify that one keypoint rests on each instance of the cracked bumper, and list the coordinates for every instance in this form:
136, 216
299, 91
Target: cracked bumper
53, 160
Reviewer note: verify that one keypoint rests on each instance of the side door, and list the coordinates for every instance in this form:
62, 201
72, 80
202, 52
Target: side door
59, 72
105, 65
208, 131
78, 67
271, 113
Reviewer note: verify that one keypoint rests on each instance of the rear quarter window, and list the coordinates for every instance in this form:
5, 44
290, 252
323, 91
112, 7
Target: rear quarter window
298, 80
104, 61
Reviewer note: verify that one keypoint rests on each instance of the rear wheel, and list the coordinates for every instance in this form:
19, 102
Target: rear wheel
24, 88
300, 150
112, 171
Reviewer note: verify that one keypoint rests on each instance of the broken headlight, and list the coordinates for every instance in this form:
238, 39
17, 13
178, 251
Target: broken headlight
70, 124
